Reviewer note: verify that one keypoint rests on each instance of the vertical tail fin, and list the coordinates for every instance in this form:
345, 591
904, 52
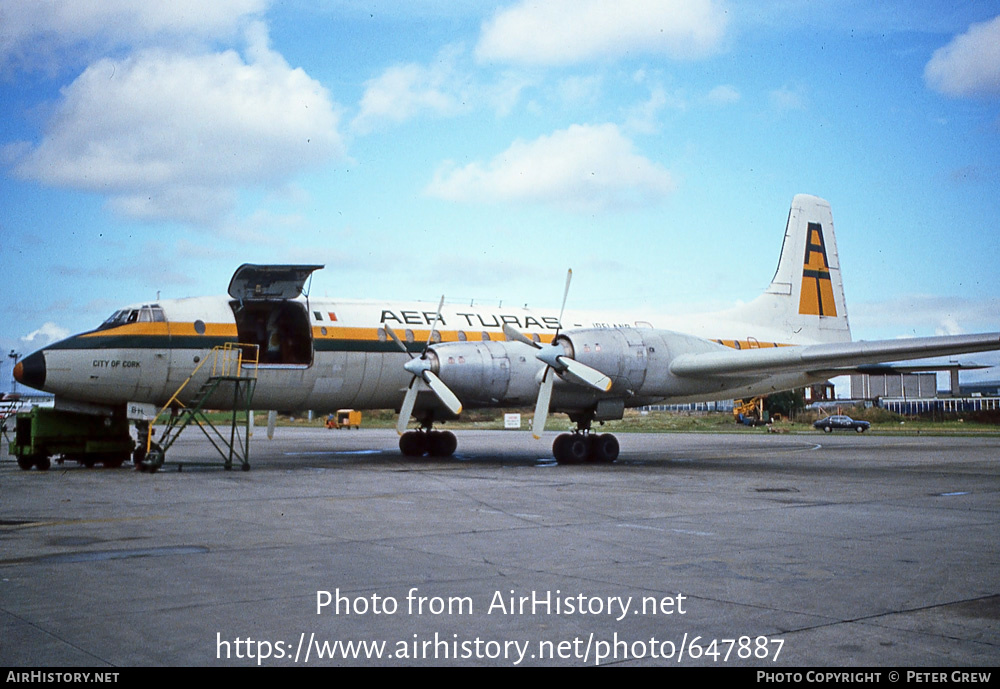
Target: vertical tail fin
805, 301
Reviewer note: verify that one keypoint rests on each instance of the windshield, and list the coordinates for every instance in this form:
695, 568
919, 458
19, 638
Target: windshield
145, 314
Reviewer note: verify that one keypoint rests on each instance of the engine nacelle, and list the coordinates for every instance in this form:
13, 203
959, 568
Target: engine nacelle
488, 373
636, 359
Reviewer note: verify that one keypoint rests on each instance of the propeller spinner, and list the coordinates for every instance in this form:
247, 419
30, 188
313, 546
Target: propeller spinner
559, 359
421, 368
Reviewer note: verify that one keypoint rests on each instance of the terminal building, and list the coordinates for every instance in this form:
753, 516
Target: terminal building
913, 393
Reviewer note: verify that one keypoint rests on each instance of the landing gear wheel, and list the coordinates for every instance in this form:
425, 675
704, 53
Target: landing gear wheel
570, 448
152, 461
603, 448
412, 444
441, 444
559, 446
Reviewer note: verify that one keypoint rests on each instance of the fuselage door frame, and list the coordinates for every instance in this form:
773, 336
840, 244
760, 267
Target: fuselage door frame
267, 314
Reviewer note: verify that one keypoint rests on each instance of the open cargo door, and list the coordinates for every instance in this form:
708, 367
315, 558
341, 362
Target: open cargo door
267, 316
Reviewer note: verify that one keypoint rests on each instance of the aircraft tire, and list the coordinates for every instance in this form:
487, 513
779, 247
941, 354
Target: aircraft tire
412, 444
570, 448
442, 444
559, 446
577, 450
152, 461
604, 448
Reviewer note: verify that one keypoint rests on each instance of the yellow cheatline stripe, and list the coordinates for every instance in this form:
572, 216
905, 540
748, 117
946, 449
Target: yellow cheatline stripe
750, 344
340, 332
158, 328
164, 329
333, 332
419, 336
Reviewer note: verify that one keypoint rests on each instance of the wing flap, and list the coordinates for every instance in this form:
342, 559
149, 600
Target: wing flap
828, 357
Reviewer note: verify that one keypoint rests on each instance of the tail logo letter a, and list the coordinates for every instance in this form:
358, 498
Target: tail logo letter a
816, 297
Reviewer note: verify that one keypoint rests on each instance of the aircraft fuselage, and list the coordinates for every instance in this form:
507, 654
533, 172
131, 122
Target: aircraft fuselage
334, 354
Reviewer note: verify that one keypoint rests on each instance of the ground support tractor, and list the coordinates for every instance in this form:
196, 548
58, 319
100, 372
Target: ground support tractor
43, 433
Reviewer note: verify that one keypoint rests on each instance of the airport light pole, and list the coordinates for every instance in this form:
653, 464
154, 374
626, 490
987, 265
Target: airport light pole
15, 356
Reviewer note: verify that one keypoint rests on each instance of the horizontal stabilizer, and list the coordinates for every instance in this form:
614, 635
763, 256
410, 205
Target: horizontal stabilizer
832, 357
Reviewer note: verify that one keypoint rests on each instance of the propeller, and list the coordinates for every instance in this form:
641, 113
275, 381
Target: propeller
556, 359
421, 370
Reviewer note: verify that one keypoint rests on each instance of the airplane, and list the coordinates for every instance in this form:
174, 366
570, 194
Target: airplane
431, 363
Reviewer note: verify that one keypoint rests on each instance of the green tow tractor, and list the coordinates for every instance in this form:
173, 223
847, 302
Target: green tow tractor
44, 432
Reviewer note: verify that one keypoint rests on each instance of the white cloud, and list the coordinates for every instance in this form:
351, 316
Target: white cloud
404, 91
787, 98
644, 118
49, 332
581, 168
30, 29
920, 315
173, 136
569, 31
722, 95
970, 64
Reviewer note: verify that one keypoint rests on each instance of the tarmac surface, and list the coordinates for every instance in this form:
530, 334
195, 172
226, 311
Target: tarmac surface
726, 550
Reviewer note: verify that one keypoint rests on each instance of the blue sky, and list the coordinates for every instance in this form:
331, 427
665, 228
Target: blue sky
479, 149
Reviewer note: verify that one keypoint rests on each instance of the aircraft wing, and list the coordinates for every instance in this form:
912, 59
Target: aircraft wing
827, 359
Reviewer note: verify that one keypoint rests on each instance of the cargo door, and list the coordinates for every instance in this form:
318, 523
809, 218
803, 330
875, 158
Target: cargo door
267, 316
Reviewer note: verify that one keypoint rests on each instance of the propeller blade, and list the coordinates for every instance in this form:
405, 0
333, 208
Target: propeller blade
517, 335
395, 337
585, 374
406, 409
569, 276
542, 405
578, 373
443, 393
437, 317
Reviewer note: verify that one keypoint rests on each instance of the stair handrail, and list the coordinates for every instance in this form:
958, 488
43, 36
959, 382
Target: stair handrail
227, 351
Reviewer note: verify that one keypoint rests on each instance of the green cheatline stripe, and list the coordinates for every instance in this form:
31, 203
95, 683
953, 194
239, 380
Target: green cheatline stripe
164, 342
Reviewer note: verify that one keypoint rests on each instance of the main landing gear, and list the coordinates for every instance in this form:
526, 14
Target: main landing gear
583, 446
428, 442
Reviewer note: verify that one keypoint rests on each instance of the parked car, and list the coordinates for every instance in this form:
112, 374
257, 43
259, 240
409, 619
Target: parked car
830, 423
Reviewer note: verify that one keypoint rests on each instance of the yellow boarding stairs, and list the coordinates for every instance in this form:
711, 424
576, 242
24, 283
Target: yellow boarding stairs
234, 370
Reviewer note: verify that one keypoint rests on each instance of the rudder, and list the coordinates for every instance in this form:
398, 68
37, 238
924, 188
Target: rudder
805, 301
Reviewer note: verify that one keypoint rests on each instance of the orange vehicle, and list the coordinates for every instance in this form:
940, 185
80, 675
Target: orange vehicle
344, 418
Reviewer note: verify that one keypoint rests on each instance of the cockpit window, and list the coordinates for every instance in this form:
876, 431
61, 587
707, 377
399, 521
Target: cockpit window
147, 313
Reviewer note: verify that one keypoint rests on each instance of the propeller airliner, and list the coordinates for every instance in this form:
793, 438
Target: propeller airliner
432, 363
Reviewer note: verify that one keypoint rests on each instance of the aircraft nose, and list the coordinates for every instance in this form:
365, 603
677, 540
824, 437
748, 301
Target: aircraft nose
31, 371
